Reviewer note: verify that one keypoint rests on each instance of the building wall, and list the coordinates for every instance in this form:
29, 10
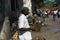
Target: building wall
5, 9
8, 6
1, 13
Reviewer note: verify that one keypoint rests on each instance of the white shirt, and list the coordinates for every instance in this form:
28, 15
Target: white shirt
45, 12
23, 23
55, 12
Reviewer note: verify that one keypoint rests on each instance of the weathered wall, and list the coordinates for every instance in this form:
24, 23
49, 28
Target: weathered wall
7, 5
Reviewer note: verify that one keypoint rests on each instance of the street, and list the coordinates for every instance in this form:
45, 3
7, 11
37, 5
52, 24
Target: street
49, 32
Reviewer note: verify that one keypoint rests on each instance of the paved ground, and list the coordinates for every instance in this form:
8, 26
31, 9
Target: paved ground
51, 32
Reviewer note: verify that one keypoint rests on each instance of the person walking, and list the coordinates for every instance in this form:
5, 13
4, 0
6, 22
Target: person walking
23, 25
54, 14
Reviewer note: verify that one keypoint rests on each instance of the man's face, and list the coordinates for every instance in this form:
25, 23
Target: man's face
26, 12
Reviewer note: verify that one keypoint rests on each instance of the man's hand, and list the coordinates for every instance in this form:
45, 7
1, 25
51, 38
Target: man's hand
33, 29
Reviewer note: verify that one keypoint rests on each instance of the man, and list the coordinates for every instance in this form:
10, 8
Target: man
54, 14
24, 28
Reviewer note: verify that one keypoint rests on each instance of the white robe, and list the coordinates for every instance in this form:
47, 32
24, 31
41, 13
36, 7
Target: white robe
23, 23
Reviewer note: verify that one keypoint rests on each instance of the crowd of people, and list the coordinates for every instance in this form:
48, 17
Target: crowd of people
43, 13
